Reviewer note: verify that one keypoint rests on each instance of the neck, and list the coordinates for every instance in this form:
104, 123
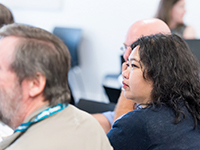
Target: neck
27, 108
172, 25
144, 102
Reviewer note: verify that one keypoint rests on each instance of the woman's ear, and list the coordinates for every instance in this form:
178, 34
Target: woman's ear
37, 85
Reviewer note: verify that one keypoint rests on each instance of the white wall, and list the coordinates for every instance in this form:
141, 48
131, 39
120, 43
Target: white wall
104, 24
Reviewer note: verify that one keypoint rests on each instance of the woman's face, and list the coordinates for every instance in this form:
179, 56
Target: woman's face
134, 85
178, 11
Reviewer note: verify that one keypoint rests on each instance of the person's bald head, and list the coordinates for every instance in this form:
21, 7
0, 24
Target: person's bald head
144, 28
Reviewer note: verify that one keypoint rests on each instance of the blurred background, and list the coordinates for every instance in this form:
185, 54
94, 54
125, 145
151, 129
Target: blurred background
104, 24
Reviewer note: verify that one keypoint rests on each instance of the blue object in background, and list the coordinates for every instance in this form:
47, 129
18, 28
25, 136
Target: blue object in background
71, 37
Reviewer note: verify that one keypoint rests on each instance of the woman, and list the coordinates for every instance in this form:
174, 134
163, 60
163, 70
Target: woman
162, 77
172, 13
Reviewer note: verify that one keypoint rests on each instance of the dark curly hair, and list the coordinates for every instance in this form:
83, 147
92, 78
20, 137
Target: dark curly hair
174, 70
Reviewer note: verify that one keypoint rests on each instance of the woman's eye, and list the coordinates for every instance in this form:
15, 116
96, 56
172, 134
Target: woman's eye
133, 65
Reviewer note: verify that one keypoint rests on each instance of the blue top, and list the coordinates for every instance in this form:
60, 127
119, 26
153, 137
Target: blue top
154, 129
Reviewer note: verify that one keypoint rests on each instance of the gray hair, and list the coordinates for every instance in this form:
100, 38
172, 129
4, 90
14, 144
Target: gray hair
41, 51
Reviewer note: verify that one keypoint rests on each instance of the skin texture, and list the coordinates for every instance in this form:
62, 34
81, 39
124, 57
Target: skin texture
17, 101
135, 86
9, 87
137, 30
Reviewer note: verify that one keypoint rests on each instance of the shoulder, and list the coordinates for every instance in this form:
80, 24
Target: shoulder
128, 131
144, 114
80, 119
70, 124
135, 129
139, 115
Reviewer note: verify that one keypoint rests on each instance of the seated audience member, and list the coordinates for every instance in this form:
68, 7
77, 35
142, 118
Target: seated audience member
6, 16
138, 29
162, 77
172, 13
34, 93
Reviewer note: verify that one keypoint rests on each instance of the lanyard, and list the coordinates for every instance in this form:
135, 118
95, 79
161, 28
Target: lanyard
42, 115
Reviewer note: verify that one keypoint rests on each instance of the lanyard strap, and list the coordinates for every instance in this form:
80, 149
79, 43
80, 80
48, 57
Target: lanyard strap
42, 115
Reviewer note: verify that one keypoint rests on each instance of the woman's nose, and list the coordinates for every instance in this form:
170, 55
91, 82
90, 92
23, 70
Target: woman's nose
125, 73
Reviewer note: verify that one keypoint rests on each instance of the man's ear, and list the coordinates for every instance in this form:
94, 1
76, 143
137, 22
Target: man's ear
37, 85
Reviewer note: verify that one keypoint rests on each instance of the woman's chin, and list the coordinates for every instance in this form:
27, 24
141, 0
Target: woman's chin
127, 95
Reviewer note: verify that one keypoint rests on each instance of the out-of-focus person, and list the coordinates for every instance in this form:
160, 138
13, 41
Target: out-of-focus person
6, 16
172, 13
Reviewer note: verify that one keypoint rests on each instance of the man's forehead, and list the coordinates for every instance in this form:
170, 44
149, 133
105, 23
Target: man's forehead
135, 33
9, 39
134, 52
131, 37
7, 46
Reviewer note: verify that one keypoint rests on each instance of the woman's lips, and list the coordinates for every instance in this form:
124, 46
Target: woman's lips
124, 84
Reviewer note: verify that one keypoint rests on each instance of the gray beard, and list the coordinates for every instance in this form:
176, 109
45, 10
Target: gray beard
10, 103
